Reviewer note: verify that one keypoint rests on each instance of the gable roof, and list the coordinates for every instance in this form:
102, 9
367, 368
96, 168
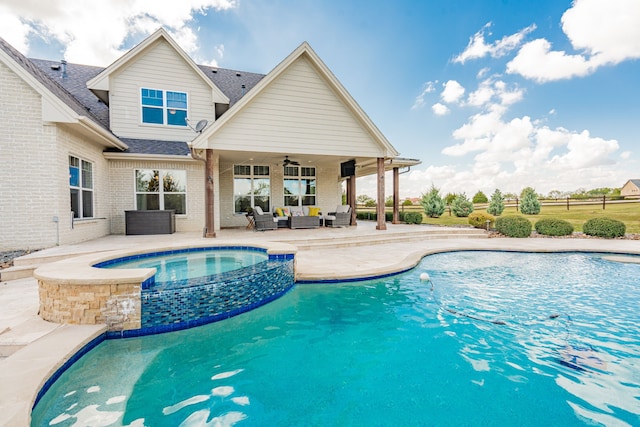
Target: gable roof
303, 50
635, 182
100, 83
70, 109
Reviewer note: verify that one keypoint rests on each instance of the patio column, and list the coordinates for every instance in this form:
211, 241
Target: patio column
396, 196
380, 205
351, 198
210, 230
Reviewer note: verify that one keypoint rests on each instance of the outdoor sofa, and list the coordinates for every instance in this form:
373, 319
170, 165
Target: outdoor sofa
340, 218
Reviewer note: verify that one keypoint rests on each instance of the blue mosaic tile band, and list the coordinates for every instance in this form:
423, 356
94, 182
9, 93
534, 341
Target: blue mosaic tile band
171, 308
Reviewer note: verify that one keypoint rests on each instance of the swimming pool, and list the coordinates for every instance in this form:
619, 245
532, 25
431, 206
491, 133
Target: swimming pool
493, 338
174, 268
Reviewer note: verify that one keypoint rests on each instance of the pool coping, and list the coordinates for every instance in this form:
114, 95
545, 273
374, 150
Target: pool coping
30, 368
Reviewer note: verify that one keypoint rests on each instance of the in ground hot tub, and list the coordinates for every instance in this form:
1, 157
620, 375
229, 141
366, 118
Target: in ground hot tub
160, 291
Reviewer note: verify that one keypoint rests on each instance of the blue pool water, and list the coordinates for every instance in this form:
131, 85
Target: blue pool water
189, 264
494, 338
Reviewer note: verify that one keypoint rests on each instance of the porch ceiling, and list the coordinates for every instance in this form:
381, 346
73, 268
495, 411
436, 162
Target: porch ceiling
364, 165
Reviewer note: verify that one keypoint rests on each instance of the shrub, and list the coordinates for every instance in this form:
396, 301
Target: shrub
479, 219
413, 217
529, 203
432, 203
479, 197
514, 226
554, 227
496, 205
461, 206
604, 227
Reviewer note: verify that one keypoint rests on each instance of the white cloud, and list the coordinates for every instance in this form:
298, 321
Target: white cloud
440, 109
520, 152
536, 61
625, 155
428, 88
452, 92
93, 32
478, 48
602, 33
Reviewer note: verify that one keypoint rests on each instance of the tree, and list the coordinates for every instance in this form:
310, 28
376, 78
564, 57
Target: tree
407, 202
448, 199
363, 199
496, 205
480, 197
388, 202
432, 203
529, 203
461, 206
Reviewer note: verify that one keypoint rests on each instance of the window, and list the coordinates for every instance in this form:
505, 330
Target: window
81, 186
299, 186
251, 187
152, 195
163, 107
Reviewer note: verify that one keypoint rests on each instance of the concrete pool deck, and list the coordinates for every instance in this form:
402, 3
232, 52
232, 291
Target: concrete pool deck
33, 349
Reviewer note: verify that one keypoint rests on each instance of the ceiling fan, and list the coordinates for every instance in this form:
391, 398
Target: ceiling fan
288, 162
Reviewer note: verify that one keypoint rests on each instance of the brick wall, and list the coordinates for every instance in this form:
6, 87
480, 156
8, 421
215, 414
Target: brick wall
122, 191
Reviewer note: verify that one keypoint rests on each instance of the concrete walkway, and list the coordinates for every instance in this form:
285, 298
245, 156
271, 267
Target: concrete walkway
31, 350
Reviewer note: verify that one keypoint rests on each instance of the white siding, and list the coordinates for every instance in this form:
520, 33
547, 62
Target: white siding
159, 67
297, 113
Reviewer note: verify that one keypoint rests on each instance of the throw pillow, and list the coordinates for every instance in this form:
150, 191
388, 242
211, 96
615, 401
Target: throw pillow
258, 210
285, 212
279, 212
314, 211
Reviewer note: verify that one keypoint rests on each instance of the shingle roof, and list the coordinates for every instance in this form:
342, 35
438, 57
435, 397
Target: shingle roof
636, 182
55, 87
72, 90
230, 81
153, 146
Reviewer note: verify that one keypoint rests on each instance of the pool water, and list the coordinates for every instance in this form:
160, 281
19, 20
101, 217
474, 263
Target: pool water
494, 338
189, 264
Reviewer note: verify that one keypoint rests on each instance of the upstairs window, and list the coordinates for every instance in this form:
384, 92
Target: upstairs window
162, 107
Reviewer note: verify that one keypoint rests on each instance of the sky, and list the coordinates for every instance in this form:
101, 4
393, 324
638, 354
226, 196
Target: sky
488, 94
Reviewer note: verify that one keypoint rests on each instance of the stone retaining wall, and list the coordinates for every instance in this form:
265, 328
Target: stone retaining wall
116, 305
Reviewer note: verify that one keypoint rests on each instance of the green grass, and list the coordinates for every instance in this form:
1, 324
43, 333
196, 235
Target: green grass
629, 213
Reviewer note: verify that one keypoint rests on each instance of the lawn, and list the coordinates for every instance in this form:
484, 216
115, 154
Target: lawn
629, 213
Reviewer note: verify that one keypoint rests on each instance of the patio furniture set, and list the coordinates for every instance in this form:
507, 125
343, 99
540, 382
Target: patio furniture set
300, 217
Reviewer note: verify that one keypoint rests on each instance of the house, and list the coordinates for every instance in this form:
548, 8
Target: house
631, 189
81, 145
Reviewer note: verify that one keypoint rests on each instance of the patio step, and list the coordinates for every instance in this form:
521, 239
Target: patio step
16, 272
19, 336
382, 238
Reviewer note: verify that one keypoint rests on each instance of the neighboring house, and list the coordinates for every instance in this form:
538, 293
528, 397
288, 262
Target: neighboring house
631, 189
80, 145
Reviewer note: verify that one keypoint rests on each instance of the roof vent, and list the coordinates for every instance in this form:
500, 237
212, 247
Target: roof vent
238, 74
55, 67
214, 71
63, 66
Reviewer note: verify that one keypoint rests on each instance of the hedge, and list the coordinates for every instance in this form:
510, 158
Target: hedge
479, 219
604, 227
514, 226
554, 227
